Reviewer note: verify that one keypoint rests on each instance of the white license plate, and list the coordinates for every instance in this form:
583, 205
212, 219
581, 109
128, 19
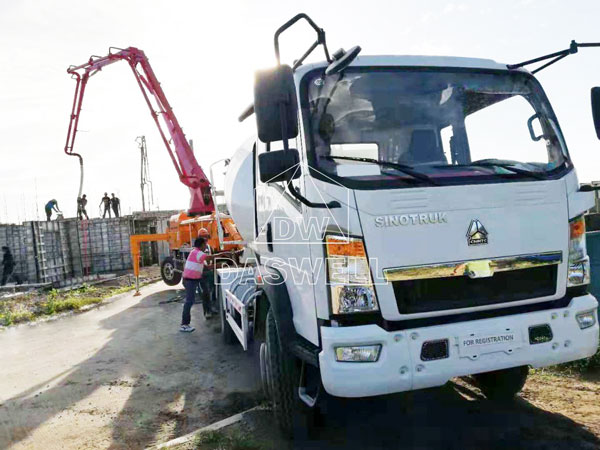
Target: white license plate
474, 345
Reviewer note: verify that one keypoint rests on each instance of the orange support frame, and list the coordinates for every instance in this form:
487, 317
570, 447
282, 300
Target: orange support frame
135, 240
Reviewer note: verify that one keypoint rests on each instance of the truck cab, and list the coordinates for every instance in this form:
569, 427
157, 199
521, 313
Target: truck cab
414, 219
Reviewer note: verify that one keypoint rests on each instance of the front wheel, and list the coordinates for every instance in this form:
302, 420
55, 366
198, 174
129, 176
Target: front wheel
502, 384
282, 376
168, 272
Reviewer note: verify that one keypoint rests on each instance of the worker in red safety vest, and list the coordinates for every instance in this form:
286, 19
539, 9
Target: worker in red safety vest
193, 272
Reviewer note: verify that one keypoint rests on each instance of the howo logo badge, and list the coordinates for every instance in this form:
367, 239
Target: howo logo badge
477, 234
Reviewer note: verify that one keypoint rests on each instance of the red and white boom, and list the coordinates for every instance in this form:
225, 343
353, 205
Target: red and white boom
189, 171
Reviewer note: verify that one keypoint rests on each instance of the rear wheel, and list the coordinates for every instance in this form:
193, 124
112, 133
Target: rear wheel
502, 384
168, 273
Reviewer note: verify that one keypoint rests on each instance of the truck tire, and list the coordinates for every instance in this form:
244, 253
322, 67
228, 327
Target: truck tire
227, 333
502, 385
282, 371
168, 273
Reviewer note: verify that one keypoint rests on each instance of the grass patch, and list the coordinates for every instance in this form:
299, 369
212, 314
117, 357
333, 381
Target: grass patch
29, 307
221, 440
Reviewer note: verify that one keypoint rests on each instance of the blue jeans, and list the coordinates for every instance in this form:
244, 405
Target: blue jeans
191, 287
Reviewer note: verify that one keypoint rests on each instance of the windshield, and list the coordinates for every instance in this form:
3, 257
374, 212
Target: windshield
364, 124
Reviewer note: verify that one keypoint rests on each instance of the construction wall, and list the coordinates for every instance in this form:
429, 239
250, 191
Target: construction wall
54, 252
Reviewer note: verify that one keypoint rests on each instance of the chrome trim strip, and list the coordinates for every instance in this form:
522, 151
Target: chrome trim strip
479, 268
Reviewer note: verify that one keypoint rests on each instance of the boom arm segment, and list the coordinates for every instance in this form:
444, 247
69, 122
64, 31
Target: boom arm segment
189, 171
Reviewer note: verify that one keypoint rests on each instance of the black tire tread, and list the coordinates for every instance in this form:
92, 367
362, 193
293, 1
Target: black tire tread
177, 276
282, 373
502, 384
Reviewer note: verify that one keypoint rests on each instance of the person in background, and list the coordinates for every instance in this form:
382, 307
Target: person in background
50, 206
81, 204
207, 282
116, 205
192, 274
106, 202
8, 263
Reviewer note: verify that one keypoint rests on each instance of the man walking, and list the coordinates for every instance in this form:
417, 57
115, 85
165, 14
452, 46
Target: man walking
106, 202
50, 206
192, 274
8, 263
81, 211
115, 203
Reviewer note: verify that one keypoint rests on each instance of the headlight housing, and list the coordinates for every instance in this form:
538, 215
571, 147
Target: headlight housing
350, 281
358, 353
579, 262
586, 319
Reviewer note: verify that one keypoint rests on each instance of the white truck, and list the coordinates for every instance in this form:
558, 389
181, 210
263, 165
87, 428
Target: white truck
412, 219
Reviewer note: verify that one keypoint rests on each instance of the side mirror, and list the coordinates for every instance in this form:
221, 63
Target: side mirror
596, 109
275, 104
279, 165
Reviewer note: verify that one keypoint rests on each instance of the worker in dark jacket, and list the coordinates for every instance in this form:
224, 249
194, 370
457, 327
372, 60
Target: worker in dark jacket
106, 202
81, 205
8, 263
50, 206
115, 203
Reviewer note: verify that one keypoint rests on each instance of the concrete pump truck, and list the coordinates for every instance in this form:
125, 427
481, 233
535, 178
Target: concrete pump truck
202, 212
413, 219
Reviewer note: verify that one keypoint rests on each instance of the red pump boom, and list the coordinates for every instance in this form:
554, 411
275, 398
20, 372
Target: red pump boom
189, 171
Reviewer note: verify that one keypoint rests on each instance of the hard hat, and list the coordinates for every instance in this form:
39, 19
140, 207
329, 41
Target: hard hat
203, 232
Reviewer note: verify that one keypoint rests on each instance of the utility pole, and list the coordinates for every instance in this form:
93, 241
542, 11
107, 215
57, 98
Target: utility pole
145, 182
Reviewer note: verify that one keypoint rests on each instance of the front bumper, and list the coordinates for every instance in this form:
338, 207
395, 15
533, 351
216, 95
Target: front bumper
400, 367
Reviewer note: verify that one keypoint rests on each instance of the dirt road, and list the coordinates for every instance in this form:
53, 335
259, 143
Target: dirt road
121, 376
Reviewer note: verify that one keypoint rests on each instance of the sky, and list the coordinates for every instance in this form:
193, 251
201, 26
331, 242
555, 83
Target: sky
205, 55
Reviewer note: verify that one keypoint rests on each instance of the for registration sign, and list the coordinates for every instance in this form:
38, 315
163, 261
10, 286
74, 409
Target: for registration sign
474, 345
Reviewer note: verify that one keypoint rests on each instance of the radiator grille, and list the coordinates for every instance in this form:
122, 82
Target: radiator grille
439, 294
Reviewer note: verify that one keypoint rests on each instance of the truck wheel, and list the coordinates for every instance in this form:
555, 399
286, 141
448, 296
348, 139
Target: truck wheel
282, 371
502, 384
168, 273
265, 375
226, 332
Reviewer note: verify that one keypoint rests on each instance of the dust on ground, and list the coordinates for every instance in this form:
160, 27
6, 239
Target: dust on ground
121, 376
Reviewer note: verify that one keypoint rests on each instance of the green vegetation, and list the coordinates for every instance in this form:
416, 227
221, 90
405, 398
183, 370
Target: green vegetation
29, 307
220, 440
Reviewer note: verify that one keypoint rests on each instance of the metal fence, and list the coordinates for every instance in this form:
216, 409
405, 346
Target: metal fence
53, 252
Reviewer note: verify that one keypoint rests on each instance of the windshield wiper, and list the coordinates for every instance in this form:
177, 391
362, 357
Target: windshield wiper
504, 165
401, 167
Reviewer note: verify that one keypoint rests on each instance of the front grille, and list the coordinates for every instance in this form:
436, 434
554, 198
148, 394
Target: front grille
439, 294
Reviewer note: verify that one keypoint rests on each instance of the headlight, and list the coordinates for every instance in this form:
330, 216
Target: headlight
350, 279
579, 263
586, 319
361, 353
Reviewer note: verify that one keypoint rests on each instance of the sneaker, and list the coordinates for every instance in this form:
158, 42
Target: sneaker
186, 328
208, 315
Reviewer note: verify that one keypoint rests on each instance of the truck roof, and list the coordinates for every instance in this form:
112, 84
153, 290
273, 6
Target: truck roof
415, 61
